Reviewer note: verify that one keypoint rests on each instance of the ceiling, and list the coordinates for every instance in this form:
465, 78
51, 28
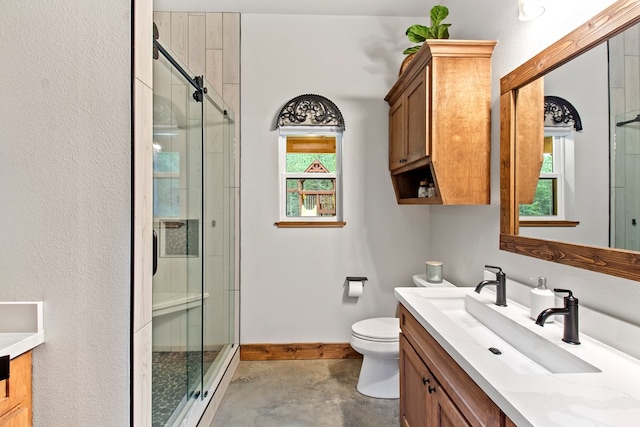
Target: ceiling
303, 7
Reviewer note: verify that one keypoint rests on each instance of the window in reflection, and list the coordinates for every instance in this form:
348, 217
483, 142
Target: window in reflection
554, 196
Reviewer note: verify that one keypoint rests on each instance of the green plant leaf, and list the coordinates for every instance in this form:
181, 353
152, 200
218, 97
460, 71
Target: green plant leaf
411, 50
417, 33
438, 14
442, 31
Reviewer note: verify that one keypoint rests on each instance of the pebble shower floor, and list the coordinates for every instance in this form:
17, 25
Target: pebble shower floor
172, 371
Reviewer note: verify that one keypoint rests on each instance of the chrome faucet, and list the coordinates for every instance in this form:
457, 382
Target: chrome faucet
501, 285
570, 311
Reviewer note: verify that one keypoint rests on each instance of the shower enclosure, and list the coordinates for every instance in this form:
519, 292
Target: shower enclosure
194, 317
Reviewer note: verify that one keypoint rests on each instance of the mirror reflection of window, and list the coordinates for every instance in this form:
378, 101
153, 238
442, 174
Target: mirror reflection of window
554, 194
311, 174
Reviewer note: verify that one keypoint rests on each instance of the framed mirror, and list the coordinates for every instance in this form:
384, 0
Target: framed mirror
522, 148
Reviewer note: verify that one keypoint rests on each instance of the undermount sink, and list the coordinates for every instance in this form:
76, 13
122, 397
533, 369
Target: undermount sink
507, 332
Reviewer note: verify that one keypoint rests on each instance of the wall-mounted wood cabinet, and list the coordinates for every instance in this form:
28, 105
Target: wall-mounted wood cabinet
440, 123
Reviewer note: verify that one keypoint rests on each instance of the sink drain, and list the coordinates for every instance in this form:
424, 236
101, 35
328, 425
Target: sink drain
494, 350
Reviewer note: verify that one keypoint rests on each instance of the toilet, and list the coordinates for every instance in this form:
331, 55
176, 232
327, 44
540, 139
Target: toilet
378, 340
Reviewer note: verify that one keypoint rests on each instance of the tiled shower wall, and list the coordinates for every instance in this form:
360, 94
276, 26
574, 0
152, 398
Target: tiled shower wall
624, 81
209, 44
142, 211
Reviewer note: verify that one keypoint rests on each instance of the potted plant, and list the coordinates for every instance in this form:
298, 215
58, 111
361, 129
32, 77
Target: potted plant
419, 33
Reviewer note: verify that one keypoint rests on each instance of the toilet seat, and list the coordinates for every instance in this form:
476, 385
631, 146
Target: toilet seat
379, 329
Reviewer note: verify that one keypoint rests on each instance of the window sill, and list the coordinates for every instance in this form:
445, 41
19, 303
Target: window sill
549, 223
309, 224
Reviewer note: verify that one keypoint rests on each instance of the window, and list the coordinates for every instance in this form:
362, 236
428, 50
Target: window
310, 175
310, 163
553, 200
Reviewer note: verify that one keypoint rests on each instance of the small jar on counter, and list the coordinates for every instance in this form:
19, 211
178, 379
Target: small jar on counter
434, 271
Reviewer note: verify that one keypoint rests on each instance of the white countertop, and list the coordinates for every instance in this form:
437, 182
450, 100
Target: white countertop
21, 327
607, 398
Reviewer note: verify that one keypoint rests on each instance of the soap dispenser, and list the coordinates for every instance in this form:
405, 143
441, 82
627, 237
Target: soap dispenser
541, 299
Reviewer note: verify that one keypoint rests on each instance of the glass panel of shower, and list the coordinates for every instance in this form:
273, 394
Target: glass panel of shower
194, 221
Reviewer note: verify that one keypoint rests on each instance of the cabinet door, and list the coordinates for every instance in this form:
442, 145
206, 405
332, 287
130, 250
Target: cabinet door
444, 412
17, 417
397, 134
417, 114
414, 380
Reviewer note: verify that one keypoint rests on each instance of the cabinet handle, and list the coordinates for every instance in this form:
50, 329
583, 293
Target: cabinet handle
155, 253
431, 389
425, 380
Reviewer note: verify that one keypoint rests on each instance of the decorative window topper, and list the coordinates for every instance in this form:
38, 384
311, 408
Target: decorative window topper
310, 110
562, 112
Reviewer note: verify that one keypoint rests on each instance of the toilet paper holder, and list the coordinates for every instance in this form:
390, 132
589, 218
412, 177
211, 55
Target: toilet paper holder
357, 279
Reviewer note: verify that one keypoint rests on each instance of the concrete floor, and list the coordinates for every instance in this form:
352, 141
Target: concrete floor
302, 393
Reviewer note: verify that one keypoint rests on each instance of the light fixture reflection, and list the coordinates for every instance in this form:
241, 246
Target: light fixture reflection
529, 10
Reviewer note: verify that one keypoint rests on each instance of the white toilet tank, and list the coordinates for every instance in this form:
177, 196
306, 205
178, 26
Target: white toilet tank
420, 280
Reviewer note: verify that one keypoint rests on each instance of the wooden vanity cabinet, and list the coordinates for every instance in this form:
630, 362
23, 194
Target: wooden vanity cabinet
15, 394
440, 123
434, 390
423, 400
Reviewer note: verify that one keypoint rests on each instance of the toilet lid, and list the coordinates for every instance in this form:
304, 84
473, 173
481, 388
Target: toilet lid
382, 329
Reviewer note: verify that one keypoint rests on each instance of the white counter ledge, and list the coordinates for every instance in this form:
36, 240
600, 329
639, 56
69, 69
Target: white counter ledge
21, 327
538, 397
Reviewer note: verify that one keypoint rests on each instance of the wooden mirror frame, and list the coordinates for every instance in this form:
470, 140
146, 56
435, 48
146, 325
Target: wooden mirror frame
617, 262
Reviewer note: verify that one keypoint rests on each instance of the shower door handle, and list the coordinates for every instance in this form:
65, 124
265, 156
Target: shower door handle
155, 252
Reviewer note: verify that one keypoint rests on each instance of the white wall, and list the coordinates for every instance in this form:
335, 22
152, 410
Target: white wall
65, 185
353, 61
451, 227
292, 279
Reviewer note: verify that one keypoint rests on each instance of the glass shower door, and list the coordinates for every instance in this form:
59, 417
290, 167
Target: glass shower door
177, 219
220, 230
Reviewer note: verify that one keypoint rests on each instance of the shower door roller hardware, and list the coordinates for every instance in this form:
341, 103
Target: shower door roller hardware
206, 393
633, 222
196, 394
213, 223
198, 95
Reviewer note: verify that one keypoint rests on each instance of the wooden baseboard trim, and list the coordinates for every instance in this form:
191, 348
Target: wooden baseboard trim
298, 351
